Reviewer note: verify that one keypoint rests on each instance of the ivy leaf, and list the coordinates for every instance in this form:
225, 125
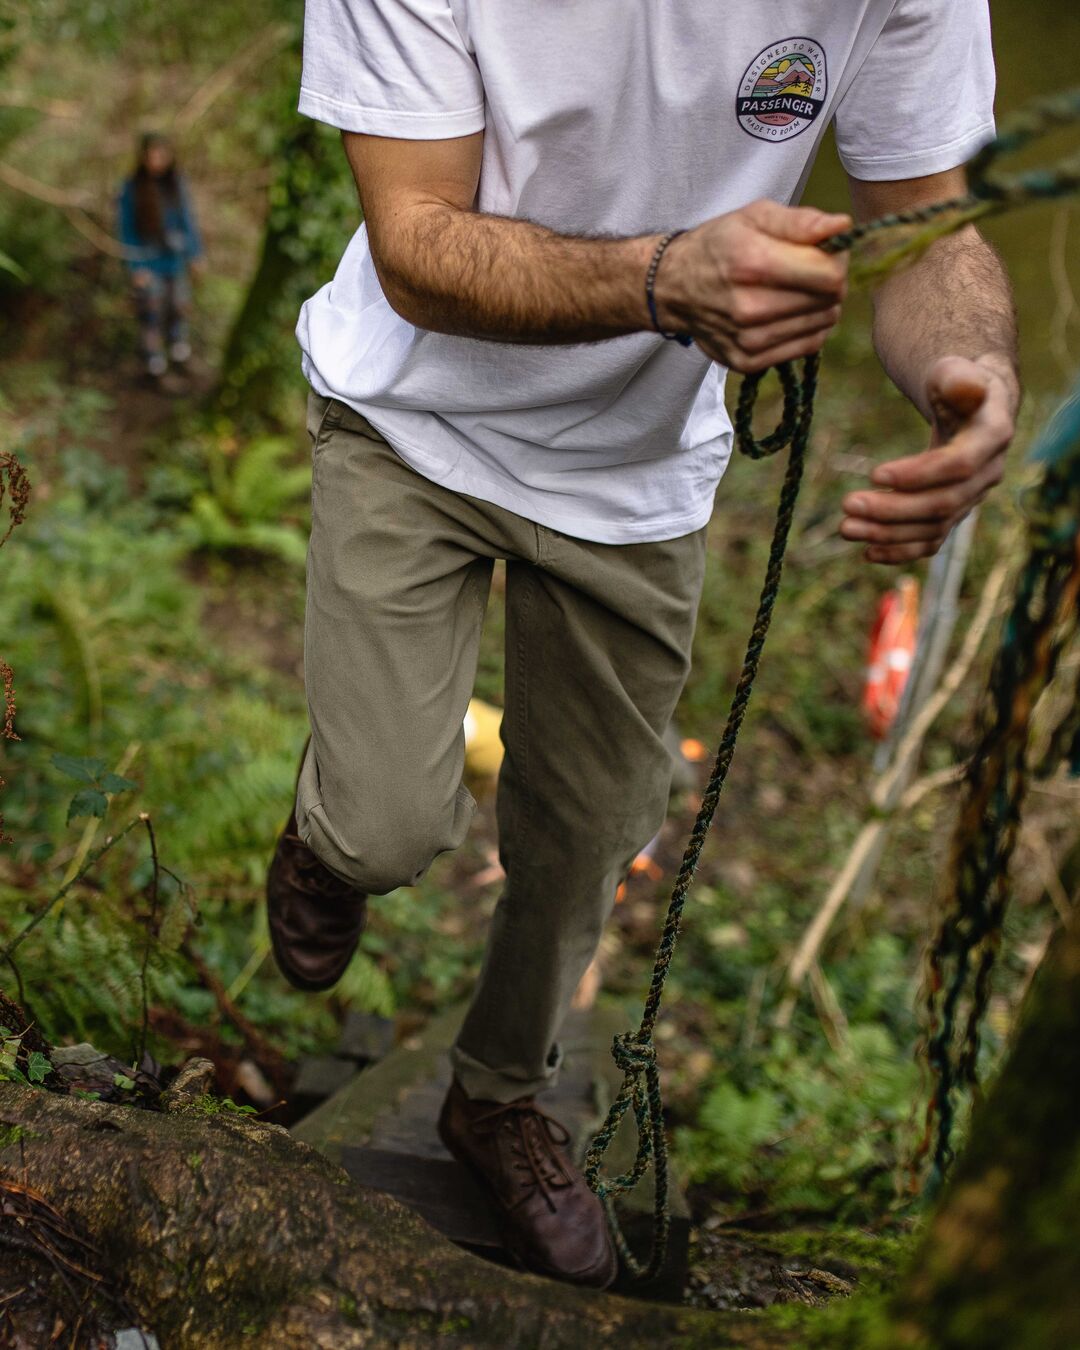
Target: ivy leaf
87, 802
38, 1067
85, 770
112, 782
9, 1053
123, 1082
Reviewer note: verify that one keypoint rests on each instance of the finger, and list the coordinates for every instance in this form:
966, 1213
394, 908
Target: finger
971, 452
779, 265
754, 307
790, 351
756, 340
944, 503
905, 532
798, 224
957, 389
902, 553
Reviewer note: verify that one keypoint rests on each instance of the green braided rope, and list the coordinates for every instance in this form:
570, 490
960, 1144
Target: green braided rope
879, 247
634, 1052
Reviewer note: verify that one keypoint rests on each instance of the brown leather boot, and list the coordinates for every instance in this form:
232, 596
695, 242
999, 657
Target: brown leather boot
315, 918
553, 1224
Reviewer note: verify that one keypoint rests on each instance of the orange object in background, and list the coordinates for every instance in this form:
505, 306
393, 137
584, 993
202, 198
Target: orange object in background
892, 651
645, 863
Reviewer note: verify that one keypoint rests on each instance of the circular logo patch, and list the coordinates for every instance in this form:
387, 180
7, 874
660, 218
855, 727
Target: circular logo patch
783, 90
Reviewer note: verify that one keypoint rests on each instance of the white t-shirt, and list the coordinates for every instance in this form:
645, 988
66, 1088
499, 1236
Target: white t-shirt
613, 117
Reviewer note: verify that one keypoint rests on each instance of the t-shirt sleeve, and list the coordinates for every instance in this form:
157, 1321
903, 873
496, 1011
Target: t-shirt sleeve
923, 100
389, 68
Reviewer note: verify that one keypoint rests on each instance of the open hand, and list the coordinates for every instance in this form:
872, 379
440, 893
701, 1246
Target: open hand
925, 495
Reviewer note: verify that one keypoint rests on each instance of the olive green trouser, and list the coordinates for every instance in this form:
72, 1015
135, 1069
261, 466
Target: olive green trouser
597, 650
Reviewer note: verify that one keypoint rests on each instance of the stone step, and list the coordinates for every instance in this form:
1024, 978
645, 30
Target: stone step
380, 1126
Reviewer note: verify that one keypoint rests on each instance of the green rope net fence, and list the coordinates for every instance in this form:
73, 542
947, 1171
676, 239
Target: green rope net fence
878, 249
1043, 619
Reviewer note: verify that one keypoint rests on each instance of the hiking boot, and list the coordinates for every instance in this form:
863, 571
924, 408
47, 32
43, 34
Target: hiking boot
315, 918
553, 1224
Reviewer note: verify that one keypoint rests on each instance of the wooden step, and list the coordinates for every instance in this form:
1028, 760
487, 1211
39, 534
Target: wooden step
381, 1128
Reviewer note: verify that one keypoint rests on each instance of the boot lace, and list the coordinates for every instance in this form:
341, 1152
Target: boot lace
535, 1141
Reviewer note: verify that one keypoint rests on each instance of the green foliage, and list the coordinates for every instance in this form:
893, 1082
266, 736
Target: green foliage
92, 800
209, 1105
35, 1067
121, 690
13, 268
256, 502
366, 985
736, 1127
816, 1131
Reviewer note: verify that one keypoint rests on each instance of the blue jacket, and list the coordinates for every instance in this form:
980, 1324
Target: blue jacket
182, 242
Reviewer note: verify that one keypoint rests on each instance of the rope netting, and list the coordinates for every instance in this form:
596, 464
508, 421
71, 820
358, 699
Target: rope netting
1043, 619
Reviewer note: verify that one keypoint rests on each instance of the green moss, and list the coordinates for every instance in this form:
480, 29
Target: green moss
10, 1135
877, 1257
209, 1105
864, 1322
455, 1326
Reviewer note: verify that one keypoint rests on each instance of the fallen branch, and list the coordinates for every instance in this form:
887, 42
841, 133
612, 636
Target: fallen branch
21, 182
254, 1039
269, 40
49, 107
72, 202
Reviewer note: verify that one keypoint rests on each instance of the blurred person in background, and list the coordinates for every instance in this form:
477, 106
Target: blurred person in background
156, 224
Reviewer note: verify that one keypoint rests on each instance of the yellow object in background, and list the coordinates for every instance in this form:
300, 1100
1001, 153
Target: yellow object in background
483, 748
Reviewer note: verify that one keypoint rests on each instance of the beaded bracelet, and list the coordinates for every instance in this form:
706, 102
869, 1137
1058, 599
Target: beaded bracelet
684, 339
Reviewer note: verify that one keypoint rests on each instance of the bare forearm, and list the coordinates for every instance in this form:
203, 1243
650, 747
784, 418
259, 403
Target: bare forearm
956, 301
750, 288
456, 271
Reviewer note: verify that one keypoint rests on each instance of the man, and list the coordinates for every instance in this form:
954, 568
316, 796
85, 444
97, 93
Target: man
491, 379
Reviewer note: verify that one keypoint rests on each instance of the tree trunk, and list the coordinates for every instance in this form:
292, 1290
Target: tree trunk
312, 212
223, 1232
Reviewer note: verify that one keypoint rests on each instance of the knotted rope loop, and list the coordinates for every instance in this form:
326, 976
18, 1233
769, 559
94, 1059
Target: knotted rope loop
780, 439
631, 1054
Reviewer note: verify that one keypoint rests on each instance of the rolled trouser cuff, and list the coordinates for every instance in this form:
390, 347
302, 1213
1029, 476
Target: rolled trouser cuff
481, 1083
